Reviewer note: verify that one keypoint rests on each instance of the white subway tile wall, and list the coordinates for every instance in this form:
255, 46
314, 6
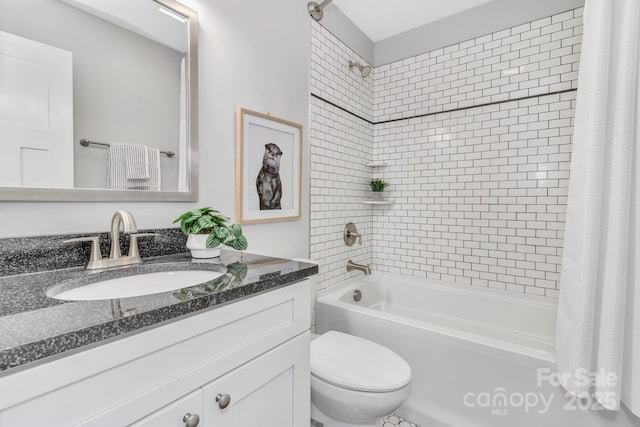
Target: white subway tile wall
331, 77
480, 193
341, 145
531, 59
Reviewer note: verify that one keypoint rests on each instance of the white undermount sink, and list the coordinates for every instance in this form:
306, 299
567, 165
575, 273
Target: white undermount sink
138, 285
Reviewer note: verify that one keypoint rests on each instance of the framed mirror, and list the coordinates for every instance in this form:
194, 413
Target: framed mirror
98, 100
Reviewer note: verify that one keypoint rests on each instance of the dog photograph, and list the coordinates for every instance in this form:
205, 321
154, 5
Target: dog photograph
269, 162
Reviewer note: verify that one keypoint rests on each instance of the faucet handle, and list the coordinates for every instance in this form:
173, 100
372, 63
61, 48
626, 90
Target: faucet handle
355, 235
133, 242
95, 254
351, 234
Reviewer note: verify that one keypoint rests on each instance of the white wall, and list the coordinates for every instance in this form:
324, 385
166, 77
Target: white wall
252, 57
338, 24
484, 19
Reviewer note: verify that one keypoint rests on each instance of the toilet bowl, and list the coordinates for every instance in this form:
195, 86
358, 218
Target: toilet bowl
354, 381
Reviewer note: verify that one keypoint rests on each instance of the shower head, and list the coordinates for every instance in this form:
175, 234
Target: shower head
365, 70
315, 9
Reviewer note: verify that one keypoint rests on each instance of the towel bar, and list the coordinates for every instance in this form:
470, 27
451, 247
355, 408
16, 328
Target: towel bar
86, 142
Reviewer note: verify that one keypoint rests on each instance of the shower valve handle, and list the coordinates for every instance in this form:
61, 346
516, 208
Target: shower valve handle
355, 235
351, 234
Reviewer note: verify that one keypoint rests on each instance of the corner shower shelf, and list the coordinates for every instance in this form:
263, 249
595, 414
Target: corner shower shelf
378, 202
376, 164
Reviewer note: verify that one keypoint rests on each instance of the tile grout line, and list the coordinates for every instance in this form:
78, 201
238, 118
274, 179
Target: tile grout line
417, 116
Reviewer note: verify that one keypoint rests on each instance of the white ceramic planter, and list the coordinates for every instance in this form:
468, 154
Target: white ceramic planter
197, 244
377, 196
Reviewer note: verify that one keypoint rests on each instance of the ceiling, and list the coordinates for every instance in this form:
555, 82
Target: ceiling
380, 19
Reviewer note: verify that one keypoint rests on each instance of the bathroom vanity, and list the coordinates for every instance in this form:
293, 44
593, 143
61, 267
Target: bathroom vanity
230, 352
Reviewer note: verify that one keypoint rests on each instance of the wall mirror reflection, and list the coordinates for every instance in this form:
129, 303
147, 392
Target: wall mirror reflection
98, 100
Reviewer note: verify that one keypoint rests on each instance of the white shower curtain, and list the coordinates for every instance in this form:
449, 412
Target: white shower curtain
183, 153
598, 327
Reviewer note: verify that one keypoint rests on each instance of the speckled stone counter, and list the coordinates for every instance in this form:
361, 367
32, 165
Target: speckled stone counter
20, 255
34, 326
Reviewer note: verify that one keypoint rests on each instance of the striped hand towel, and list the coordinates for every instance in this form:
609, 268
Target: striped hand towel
137, 161
154, 183
118, 172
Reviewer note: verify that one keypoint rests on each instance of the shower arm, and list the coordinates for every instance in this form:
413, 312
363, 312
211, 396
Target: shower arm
315, 9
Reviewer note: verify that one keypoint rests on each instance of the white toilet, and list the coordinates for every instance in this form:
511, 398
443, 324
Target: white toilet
354, 381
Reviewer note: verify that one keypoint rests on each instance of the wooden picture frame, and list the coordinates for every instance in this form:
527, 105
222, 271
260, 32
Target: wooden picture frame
268, 168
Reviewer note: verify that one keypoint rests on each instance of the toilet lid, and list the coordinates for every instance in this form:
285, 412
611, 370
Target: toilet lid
357, 364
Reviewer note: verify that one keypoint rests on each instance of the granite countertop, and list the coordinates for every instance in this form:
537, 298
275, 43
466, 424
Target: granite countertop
34, 326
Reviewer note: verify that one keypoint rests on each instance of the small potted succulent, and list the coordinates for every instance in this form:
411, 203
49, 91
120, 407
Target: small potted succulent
208, 231
378, 186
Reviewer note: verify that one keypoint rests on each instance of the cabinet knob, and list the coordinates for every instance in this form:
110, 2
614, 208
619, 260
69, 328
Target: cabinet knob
223, 400
191, 420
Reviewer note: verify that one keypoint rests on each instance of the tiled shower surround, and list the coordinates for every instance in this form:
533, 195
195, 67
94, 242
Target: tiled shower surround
331, 77
480, 194
535, 58
340, 147
477, 138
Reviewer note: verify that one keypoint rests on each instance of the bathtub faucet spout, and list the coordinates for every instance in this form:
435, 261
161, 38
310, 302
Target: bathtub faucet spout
353, 266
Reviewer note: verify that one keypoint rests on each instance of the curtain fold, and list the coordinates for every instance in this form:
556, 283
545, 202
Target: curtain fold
598, 326
183, 152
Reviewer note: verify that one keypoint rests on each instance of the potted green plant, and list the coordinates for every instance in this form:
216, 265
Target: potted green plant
208, 231
378, 186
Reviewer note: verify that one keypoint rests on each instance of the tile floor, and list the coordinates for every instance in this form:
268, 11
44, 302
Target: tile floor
390, 421
396, 421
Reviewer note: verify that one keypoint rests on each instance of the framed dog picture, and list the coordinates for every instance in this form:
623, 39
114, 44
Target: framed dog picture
268, 169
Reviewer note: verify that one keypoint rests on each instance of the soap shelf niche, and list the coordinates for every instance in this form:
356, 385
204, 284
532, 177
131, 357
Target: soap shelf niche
386, 202
379, 164
378, 202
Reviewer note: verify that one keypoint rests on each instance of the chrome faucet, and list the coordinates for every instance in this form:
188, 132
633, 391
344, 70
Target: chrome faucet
115, 259
359, 267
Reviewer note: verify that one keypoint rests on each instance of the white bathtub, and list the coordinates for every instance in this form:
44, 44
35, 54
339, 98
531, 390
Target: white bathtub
480, 357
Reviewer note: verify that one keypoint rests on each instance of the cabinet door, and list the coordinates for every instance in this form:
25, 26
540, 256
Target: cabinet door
184, 412
270, 391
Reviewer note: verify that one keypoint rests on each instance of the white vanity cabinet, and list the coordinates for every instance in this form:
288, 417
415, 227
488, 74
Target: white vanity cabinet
253, 353
270, 391
181, 413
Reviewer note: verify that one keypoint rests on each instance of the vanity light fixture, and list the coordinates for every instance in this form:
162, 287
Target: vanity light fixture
172, 14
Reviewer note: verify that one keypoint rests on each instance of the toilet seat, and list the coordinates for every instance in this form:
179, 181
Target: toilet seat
357, 364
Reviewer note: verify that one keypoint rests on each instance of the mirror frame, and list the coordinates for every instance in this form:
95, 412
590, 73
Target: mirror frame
107, 195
